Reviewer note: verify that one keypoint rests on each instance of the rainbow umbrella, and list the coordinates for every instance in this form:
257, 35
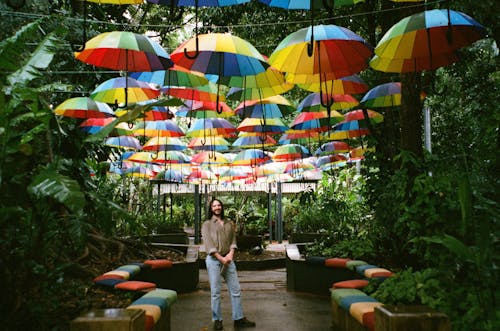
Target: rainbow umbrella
316, 121
123, 89
249, 140
208, 92
209, 157
125, 142
328, 162
358, 153
333, 147
348, 130
359, 115
266, 126
384, 95
240, 94
212, 143
202, 109
235, 173
174, 76
425, 40
310, 4
299, 137
198, 175
139, 172
313, 102
170, 175
83, 107
94, 125
167, 128
205, 127
290, 152
345, 85
258, 110
123, 50
158, 113
251, 157
164, 143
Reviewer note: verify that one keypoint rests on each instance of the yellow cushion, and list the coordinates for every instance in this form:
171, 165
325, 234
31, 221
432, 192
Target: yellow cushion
377, 272
121, 273
151, 310
358, 309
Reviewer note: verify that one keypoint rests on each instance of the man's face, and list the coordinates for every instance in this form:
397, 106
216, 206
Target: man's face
216, 208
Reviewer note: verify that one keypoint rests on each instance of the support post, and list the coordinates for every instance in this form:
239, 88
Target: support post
427, 128
269, 212
279, 216
197, 214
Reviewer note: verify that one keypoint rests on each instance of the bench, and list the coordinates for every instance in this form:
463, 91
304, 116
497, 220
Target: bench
156, 305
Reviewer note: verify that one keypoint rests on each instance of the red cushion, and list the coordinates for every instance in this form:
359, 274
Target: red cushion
108, 276
150, 323
369, 320
336, 262
135, 285
159, 264
353, 283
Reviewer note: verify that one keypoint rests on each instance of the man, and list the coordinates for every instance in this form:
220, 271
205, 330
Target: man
219, 238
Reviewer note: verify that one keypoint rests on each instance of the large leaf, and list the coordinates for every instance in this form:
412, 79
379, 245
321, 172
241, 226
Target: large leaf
10, 48
454, 245
61, 188
40, 59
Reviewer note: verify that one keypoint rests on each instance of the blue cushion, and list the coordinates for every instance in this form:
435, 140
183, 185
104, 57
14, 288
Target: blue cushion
111, 282
347, 301
316, 259
130, 268
160, 302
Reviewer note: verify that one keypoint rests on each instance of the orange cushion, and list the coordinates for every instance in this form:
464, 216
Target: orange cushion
108, 276
353, 283
336, 262
135, 285
159, 264
150, 323
118, 273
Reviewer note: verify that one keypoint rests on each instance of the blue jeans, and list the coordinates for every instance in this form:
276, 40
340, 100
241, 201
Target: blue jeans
233, 286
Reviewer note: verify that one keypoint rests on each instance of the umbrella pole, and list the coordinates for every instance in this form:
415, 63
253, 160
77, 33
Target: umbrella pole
197, 52
310, 46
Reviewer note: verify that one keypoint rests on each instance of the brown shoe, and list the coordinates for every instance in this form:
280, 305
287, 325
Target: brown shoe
218, 325
244, 323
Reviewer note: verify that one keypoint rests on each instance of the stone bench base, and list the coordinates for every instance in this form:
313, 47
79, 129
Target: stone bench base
112, 319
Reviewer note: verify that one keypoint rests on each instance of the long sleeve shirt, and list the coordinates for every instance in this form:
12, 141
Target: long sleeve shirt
218, 238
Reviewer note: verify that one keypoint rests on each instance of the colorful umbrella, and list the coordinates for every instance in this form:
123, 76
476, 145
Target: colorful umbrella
174, 76
246, 140
164, 143
432, 35
333, 147
167, 128
316, 121
258, 110
383, 95
204, 109
139, 172
123, 89
345, 85
290, 152
313, 102
239, 94
266, 126
209, 92
125, 142
209, 157
359, 115
170, 175
251, 157
317, 4
205, 127
347, 130
328, 162
123, 50
94, 125
83, 107
212, 143
158, 113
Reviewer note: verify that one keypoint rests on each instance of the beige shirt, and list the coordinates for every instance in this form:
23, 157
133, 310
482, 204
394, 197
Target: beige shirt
217, 237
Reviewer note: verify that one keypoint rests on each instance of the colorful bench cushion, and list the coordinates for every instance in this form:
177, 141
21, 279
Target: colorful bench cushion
359, 309
130, 268
135, 285
352, 264
377, 272
170, 296
336, 262
346, 302
338, 294
151, 310
159, 263
109, 282
353, 283
360, 269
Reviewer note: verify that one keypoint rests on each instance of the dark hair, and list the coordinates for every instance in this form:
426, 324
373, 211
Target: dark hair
210, 213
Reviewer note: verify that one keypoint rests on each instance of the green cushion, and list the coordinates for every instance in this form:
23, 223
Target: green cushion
339, 294
169, 295
351, 265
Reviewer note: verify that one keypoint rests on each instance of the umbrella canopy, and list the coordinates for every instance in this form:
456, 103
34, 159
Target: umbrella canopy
209, 157
290, 152
251, 157
249, 140
267, 126
220, 54
209, 92
174, 76
333, 147
258, 110
83, 107
158, 113
345, 85
347, 130
239, 94
170, 175
424, 38
337, 51
383, 95
205, 127
358, 115
328, 162
167, 128
164, 144
317, 4
139, 171
316, 121
212, 143
312, 102
125, 142
123, 50
94, 125
204, 109
123, 89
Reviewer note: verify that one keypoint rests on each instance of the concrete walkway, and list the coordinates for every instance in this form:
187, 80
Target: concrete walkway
265, 301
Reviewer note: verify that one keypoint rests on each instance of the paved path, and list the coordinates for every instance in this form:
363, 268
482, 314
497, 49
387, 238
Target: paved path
265, 300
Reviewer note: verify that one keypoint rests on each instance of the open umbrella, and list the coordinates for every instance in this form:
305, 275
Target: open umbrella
94, 125
312, 103
83, 107
425, 41
252, 140
209, 157
167, 128
345, 85
205, 127
290, 152
125, 142
251, 157
333, 147
123, 90
170, 175
204, 109
212, 143
164, 143
267, 126
174, 76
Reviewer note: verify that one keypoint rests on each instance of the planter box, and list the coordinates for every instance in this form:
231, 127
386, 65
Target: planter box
415, 318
